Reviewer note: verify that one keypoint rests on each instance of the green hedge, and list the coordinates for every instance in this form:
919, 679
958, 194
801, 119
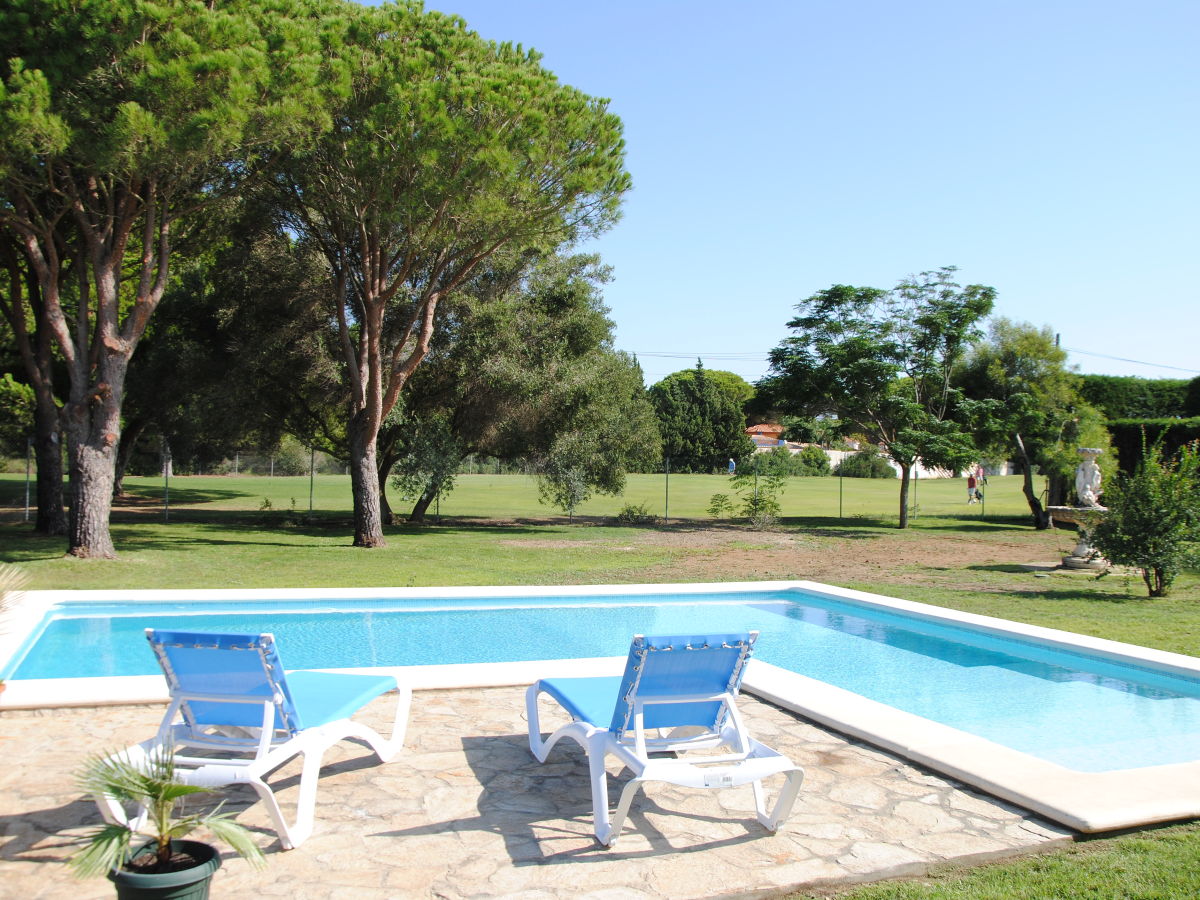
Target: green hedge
1129, 397
1127, 437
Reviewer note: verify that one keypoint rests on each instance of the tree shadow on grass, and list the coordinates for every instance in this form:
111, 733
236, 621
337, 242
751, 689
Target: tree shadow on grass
140, 495
970, 524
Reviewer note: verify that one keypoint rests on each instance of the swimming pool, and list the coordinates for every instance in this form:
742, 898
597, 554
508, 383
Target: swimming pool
980, 698
1078, 710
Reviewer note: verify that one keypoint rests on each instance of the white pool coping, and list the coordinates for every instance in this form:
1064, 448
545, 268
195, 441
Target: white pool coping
1083, 801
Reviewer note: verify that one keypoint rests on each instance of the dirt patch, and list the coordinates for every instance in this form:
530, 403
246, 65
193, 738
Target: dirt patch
896, 557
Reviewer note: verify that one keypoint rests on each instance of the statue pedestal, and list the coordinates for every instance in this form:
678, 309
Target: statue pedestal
1085, 518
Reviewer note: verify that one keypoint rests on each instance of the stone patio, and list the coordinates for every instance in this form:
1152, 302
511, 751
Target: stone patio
466, 812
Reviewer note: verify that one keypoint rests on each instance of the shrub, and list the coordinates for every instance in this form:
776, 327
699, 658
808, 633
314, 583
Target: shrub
1153, 520
865, 464
635, 514
811, 461
720, 505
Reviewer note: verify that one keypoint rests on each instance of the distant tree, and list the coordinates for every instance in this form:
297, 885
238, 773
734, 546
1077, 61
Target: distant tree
701, 423
738, 388
445, 150
1153, 518
1035, 414
605, 429
881, 361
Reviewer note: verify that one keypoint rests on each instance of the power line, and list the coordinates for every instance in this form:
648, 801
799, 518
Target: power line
749, 357
763, 357
1136, 362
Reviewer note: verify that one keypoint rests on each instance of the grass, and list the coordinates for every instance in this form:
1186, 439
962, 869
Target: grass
493, 530
1161, 864
515, 496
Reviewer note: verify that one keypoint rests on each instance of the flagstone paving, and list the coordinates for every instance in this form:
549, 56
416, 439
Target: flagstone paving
464, 811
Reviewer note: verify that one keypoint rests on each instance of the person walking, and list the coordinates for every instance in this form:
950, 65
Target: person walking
971, 483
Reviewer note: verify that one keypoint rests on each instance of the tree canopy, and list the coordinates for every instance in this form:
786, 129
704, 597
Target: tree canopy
522, 361
119, 121
444, 149
1035, 414
882, 360
701, 421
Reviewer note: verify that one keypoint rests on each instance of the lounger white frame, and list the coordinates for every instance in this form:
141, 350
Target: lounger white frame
749, 762
257, 752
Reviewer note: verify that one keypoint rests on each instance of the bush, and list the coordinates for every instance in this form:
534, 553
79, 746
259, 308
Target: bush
865, 464
811, 461
635, 514
1153, 520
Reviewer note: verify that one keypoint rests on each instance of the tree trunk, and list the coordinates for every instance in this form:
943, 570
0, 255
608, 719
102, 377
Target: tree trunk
905, 478
364, 483
47, 447
129, 439
1056, 490
92, 422
422, 505
1041, 519
91, 465
385, 454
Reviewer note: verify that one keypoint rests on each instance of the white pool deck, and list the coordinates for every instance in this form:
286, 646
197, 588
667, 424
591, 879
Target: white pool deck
1082, 801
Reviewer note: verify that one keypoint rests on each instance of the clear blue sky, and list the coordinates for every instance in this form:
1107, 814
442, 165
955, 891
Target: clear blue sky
1049, 149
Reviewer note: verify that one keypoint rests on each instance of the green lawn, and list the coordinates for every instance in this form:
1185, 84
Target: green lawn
222, 532
515, 496
1158, 864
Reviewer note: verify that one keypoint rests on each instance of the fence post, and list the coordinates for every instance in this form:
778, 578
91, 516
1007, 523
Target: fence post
166, 464
312, 461
667, 489
28, 471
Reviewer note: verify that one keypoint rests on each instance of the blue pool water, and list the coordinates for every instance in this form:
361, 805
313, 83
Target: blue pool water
1080, 711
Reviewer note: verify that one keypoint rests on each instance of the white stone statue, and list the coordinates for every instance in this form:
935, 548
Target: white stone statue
1087, 479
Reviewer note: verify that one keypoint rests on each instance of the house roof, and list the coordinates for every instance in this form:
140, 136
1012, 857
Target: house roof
766, 429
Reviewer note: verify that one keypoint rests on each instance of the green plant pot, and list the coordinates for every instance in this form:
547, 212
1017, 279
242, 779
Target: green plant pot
186, 884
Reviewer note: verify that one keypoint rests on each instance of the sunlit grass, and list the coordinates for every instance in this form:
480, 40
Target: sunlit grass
257, 532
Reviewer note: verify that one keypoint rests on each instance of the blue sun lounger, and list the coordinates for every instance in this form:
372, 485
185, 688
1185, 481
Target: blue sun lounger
683, 689
249, 717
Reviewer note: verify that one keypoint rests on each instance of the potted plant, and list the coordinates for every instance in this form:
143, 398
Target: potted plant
166, 865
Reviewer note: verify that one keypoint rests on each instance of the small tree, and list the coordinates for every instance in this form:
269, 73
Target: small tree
1153, 520
756, 489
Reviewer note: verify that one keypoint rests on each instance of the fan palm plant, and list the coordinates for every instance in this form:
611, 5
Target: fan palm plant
152, 785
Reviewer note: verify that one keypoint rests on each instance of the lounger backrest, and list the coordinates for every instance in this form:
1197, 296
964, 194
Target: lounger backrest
681, 665
224, 666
